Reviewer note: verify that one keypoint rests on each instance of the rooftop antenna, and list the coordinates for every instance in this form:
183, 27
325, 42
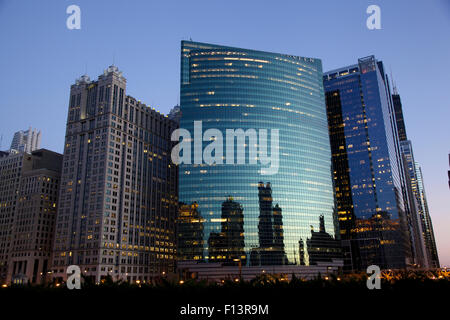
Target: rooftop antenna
114, 58
394, 86
1, 140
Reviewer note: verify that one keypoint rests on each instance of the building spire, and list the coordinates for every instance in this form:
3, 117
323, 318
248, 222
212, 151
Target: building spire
394, 86
322, 223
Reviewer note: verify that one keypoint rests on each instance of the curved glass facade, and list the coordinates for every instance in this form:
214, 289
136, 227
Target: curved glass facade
234, 212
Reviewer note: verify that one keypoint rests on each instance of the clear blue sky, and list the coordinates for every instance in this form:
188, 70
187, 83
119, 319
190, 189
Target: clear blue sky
40, 58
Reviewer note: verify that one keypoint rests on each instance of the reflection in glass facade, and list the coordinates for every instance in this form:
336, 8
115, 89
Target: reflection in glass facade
189, 228
322, 247
367, 168
270, 231
257, 219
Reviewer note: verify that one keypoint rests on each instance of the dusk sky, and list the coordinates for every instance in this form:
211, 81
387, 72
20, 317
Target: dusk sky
40, 58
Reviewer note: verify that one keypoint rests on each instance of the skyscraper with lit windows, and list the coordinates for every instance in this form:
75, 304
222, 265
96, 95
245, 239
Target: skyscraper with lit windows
29, 185
367, 165
118, 188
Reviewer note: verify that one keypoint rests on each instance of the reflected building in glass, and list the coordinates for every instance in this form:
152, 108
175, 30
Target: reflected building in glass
322, 247
228, 245
189, 228
233, 88
270, 230
368, 168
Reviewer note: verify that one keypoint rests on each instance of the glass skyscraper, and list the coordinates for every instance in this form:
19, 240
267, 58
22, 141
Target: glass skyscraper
423, 240
242, 214
367, 165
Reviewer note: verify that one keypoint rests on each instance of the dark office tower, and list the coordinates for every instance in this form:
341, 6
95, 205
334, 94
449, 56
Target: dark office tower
411, 213
399, 116
418, 245
428, 230
189, 226
119, 188
366, 156
228, 245
322, 247
29, 184
423, 245
341, 165
233, 88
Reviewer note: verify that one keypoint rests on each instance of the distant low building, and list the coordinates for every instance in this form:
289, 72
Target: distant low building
26, 140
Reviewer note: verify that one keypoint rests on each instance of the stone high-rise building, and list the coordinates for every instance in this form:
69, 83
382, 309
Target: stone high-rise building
29, 185
119, 188
11, 166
